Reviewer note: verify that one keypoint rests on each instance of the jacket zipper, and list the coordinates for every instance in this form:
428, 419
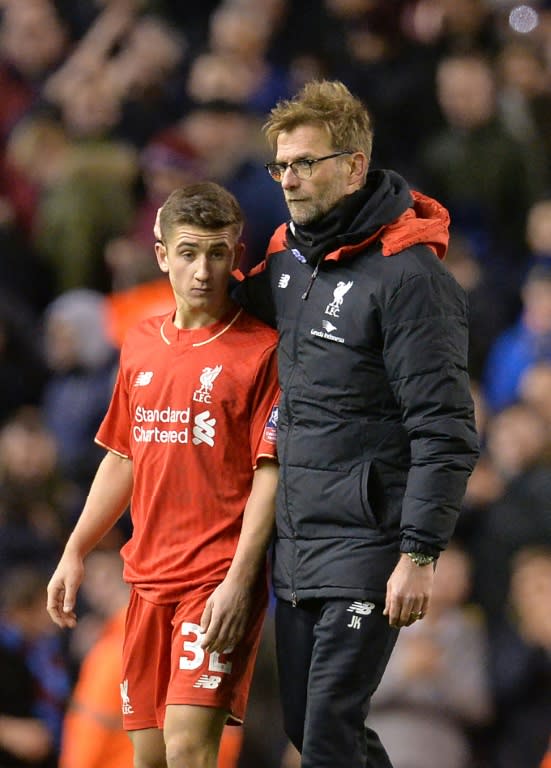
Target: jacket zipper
294, 598
313, 276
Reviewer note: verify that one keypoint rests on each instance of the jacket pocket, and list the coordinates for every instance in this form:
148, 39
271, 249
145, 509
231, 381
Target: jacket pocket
370, 492
330, 499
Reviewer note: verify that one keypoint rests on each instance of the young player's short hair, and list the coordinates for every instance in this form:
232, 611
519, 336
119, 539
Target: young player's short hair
204, 204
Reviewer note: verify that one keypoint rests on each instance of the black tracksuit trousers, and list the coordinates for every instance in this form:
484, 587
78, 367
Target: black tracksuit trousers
331, 655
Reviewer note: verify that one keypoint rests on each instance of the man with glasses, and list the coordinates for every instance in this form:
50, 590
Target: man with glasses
376, 435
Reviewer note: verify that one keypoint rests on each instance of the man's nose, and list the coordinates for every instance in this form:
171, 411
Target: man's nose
202, 270
289, 180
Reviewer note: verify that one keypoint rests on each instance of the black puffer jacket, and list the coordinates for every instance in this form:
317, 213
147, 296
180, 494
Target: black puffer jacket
376, 435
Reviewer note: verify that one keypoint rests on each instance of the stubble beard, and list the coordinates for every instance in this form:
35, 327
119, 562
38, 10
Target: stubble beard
309, 211
305, 213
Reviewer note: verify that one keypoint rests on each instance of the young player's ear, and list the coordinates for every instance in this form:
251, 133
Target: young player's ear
160, 253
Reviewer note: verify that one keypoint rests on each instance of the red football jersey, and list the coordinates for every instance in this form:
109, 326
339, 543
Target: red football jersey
194, 410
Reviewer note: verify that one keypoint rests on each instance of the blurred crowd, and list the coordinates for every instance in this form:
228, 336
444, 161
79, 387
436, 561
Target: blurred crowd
105, 107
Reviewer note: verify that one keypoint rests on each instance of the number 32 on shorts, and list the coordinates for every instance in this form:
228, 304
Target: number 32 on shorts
192, 645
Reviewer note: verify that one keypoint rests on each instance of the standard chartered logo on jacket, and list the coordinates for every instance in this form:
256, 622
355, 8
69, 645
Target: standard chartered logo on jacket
173, 426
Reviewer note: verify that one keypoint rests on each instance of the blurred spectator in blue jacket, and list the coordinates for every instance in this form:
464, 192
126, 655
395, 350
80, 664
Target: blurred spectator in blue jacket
523, 344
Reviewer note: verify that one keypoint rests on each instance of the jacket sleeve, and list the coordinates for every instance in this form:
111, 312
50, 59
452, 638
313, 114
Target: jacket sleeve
254, 294
425, 345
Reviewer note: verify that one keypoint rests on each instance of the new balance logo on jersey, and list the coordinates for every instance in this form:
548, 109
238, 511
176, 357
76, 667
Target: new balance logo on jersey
208, 681
126, 705
203, 429
143, 378
359, 609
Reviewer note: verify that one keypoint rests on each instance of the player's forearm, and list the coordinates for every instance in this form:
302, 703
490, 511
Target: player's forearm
258, 525
107, 499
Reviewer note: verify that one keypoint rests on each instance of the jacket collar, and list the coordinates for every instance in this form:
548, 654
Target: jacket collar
384, 210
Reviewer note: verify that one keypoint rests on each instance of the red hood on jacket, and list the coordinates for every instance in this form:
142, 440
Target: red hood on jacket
427, 222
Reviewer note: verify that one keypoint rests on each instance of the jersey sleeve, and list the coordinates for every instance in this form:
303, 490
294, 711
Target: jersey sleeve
265, 401
114, 430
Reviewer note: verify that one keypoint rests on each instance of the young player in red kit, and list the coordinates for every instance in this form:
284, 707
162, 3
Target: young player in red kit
190, 439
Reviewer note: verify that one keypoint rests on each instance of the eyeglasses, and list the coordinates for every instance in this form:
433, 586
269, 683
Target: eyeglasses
301, 168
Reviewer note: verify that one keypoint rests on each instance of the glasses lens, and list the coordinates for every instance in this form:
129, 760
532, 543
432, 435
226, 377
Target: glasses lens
302, 168
275, 171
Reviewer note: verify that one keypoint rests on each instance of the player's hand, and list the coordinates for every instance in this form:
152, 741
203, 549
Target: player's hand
225, 617
408, 592
62, 590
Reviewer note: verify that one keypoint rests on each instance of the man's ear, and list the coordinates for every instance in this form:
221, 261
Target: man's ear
358, 169
160, 253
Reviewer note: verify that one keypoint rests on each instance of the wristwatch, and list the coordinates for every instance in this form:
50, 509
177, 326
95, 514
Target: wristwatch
420, 559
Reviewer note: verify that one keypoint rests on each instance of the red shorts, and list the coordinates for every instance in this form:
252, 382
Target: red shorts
163, 662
